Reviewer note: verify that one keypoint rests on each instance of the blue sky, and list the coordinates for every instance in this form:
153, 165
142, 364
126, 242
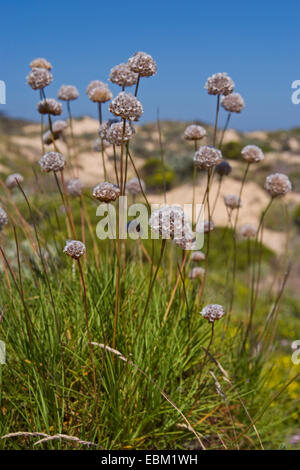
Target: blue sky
256, 43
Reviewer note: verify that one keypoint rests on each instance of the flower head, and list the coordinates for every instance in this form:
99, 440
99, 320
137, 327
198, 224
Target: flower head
122, 75
74, 248
68, 93
126, 106
114, 133
223, 168
213, 312
248, 231
106, 192
97, 146
3, 218
52, 161
39, 78
233, 103
198, 256
194, 132
13, 180
133, 186
207, 157
74, 187
170, 222
196, 272
219, 84
40, 63
278, 184
103, 128
48, 137
252, 154
59, 126
232, 201
98, 92
49, 106
208, 226
143, 64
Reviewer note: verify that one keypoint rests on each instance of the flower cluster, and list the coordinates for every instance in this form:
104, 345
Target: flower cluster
74, 248
233, 103
213, 312
52, 161
122, 75
219, 84
126, 106
194, 132
49, 106
13, 180
142, 64
68, 93
207, 157
278, 184
106, 192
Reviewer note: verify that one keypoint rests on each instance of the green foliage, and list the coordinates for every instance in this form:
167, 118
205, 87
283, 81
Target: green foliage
152, 173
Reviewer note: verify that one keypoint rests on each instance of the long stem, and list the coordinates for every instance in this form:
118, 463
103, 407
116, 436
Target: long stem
224, 130
75, 154
101, 142
216, 121
208, 236
162, 156
137, 85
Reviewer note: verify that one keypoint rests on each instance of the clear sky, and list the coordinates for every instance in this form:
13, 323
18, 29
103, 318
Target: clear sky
256, 43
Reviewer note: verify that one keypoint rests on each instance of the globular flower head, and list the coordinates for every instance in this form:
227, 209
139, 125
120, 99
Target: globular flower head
74, 187
126, 106
122, 75
40, 63
103, 128
68, 93
106, 192
248, 231
208, 226
133, 186
232, 201
219, 84
196, 272
48, 137
59, 126
213, 312
97, 146
252, 154
278, 184
98, 92
223, 168
143, 64
13, 180
3, 218
170, 222
194, 132
39, 78
198, 256
114, 133
74, 248
52, 161
49, 106
233, 103
207, 157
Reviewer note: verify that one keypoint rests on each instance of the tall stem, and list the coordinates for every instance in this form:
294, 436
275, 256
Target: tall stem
216, 121
224, 130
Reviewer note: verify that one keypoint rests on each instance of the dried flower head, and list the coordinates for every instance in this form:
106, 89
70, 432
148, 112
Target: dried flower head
97, 145
207, 157
40, 63
13, 180
170, 222
194, 132
126, 106
208, 226
188, 242
122, 75
233, 103
100, 94
49, 106
114, 133
196, 272
278, 184
68, 93
103, 128
223, 168
143, 64
48, 137
39, 78
213, 312
219, 84
74, 248
252, 154
106, 192
248, 231
95, 84
52, 161
232, 201
198, 256
133, 186
59, 126
3, 218
74, 187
